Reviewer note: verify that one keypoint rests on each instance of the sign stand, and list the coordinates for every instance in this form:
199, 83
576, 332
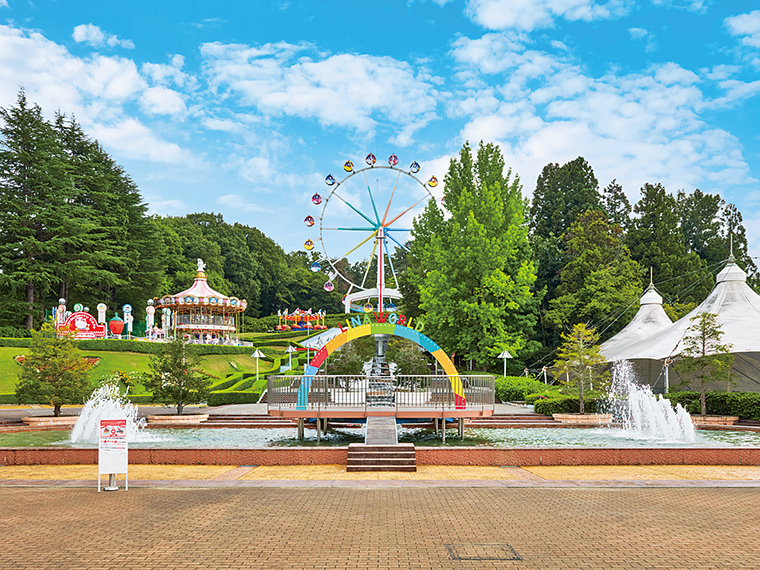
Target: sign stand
112, 452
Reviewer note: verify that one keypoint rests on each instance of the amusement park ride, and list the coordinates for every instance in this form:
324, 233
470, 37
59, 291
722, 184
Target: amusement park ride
401, 191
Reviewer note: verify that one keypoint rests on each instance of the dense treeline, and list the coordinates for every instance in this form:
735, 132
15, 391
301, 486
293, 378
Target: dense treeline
490, 270
73, 225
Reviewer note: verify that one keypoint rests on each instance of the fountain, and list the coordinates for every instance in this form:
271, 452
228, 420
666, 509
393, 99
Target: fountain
107, 402
643, 415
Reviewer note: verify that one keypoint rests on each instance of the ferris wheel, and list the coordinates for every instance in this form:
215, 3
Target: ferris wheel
368, 210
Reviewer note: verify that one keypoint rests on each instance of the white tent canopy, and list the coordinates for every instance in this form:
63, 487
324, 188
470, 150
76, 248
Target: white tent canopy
738, 310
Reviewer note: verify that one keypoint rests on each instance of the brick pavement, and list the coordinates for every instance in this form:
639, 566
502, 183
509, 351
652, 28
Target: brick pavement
357, 528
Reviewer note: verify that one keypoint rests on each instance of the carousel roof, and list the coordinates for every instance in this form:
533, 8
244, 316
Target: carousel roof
200, 293
738, 310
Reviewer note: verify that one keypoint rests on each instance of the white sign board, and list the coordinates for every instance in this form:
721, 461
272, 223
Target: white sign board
112, 449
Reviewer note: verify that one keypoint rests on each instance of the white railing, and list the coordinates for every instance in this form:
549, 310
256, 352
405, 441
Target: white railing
352, 392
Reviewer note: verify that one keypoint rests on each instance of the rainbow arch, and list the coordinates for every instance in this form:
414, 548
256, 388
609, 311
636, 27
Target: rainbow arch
381, 328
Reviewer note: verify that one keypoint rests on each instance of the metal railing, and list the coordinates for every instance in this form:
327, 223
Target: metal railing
399, 392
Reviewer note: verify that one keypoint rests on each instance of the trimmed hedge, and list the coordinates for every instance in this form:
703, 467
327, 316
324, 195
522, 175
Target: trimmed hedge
13, 332
516, 388
140, 398
229, 397
568, 405
8, 398
745, 405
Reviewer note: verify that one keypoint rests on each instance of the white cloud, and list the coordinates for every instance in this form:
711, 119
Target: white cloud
638, 33
135, 140
358, 92
640, 127
162, 101
3, 3
237, 203
697, 6
745, 26
526, 15
92, 35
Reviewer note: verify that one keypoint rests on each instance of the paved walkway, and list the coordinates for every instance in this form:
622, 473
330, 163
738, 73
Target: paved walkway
388, 528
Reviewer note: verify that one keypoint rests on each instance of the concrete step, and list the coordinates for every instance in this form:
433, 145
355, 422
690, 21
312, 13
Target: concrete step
400, 457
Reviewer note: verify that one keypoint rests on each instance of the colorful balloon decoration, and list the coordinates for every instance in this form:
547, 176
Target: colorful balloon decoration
309, 221
315, 267
330, 180
433, 182
349, 166
393, 160
308, 245
316, 199
371, 159
329, 286
414, 168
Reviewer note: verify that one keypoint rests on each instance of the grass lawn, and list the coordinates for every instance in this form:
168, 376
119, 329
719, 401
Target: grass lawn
110, 362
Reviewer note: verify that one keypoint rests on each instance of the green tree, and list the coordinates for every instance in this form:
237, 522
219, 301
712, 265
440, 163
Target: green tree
474, 273
407, 357
37, 226
54, 372
656, 242
562, 193
703, 358
600, 278
616, 204
174, 377
580, 359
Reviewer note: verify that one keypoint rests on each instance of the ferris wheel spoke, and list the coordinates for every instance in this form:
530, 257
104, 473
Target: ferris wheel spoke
350, 229
371, 199
407, 210
369, 264
397, 243
390, 262
388, 207
373, 234
374, 225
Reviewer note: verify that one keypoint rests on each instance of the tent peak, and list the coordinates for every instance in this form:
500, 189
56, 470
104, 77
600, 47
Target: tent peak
651, 296
731, 272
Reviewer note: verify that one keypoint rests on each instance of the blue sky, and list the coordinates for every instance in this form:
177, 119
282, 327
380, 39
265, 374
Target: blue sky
242, 108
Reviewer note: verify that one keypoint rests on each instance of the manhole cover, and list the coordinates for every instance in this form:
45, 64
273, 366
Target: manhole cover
482, 552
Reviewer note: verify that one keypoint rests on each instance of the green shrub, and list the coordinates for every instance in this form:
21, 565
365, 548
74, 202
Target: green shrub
140, 398
745, 405
568, 405
545, 395
236, 397
13, 332
8, 398
515, 388
228, 382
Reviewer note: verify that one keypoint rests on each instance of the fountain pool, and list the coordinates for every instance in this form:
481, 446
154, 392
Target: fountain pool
243, 438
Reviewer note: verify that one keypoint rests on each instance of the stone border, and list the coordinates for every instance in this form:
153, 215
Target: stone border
519, 457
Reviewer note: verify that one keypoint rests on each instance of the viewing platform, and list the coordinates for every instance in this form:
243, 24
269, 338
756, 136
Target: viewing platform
360, 396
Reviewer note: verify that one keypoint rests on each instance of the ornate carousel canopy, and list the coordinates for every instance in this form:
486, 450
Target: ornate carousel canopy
200, 309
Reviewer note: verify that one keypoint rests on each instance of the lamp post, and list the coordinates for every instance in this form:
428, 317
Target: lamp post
504, 355
290, 350
258, 354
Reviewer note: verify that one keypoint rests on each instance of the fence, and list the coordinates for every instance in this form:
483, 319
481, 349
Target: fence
352, 392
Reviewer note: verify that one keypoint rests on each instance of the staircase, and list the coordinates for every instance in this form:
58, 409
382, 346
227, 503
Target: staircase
398, 457
514, 421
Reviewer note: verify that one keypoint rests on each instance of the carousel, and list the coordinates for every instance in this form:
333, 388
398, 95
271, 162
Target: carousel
202, 314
